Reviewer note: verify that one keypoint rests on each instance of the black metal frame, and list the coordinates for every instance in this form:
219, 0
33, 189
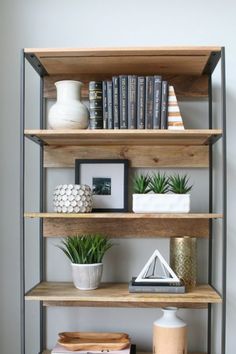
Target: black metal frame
42, 72
224, 198
210, 255
22, 202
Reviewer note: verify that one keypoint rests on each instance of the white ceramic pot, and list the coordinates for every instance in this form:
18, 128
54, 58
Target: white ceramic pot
169, 333
87, 276
161, 203
68, 112
72, 198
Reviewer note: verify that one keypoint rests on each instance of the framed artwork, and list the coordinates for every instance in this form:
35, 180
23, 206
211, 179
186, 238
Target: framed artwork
108, 180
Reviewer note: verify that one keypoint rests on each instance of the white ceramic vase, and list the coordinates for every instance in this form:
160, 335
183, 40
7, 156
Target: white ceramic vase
161, 203
68, 112
87, 276
169, 333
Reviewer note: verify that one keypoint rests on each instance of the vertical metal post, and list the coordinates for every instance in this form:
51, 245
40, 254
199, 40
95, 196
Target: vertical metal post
41, 207
224, 190
22, 202
209, 320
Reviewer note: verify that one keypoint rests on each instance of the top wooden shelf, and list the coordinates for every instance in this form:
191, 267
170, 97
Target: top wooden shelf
145, 60
124, 137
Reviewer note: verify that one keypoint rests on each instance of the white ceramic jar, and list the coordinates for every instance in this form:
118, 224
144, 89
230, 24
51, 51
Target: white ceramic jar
68, 112
169, 333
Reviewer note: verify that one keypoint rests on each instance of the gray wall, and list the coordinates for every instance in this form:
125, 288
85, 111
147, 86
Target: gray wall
93, 24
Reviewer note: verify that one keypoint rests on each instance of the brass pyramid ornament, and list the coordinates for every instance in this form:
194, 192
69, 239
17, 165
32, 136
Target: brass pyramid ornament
150, 273
175, 121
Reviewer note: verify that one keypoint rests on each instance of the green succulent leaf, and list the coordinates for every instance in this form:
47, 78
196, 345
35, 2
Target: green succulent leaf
85, 249
141, 184
159, 183
179, 184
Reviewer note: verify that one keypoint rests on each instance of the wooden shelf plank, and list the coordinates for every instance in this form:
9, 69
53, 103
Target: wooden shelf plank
124, 215
124, 137
181, 156
117, 295
186, 86
140, 60
49, 352
126, 225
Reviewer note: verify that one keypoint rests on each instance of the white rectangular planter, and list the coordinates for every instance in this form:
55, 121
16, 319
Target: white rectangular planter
161, 203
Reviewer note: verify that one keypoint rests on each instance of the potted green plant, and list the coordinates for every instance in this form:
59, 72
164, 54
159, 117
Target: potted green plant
161, 194
86, 254
180, 188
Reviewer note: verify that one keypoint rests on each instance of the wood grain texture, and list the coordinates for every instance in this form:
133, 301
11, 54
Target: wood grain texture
140, 60
117, 295
126, 224
47, 351
138, 156
137, 228
97, 341
128, 216
186, 86
136, 137
161, 50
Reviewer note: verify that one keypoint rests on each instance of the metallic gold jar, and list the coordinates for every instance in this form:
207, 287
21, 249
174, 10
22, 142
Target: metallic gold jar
183, 259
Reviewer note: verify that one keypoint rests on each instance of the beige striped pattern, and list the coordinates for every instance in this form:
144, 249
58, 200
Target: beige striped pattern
175, 121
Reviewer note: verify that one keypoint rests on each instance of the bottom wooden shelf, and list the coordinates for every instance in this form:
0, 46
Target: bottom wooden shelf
49, 352
117, 295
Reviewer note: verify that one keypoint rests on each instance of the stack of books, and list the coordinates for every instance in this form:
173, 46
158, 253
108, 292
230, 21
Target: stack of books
155, 287
132, 102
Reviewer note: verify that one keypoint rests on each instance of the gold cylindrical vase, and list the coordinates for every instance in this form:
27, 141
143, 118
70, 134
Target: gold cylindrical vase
183, 259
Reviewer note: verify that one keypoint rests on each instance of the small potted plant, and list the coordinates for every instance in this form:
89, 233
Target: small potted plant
180, 188
86, 253
143, 200
161, 194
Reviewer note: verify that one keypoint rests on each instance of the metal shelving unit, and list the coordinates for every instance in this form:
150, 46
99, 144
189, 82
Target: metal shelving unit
190, 70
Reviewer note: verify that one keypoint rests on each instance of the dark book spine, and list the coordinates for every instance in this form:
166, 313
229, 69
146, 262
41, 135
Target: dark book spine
123, 90
141, 102
95, 105
164, 105
115, 82
132, 101
104, 104
157, 103
149, 103
109, 105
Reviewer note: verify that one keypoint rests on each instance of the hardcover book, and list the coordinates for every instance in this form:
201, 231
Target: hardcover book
149, 103
141, 102
142, 287
115, 82
123, 90
132, 101
157, 102
104, 104
95, 104
164, 105
109, 105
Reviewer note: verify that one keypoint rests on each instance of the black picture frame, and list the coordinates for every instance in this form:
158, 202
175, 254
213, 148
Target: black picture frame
111, 187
